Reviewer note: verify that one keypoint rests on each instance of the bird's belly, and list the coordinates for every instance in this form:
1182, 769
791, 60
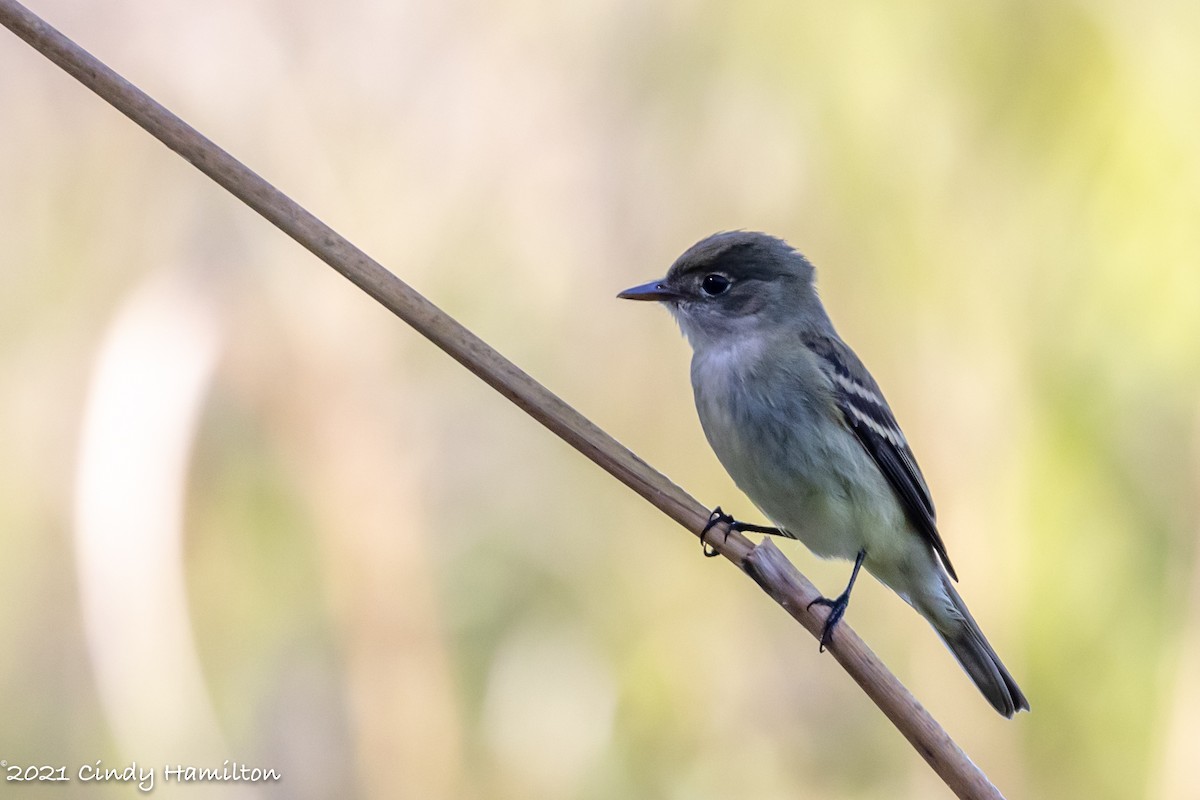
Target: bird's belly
805, 472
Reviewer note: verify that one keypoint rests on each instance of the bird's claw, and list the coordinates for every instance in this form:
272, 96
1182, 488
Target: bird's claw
715, 518
837, 606
837, 610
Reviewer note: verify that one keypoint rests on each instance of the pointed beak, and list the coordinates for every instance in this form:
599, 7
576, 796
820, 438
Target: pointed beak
654, 290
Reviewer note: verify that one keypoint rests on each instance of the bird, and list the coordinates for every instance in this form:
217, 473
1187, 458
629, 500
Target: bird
803, 429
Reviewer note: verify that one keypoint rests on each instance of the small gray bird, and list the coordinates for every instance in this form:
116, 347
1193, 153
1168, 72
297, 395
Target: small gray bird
803, 429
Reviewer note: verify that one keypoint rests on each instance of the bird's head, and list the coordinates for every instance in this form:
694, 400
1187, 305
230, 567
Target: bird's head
735, 284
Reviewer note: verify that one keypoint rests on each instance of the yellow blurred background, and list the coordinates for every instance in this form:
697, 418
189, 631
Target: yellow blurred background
246, 515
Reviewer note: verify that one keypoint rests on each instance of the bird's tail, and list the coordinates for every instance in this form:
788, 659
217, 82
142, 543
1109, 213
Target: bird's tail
961, 634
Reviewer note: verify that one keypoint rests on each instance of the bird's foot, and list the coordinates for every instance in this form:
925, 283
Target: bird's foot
718, 516
837, 606
837, 609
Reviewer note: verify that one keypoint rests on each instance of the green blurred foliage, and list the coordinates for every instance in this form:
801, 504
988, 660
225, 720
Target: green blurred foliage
400, 586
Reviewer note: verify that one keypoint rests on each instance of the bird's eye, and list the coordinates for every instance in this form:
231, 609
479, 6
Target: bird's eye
714, 284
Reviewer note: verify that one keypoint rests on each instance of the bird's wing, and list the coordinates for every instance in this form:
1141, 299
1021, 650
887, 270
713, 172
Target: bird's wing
866, 412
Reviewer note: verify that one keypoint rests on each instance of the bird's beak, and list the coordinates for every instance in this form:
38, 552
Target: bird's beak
654, 290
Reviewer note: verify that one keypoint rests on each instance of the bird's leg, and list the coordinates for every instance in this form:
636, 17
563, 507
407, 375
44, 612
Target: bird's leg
837, 607
718, 516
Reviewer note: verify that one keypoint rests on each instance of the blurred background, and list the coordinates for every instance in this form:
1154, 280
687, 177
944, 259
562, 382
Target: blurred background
248, 516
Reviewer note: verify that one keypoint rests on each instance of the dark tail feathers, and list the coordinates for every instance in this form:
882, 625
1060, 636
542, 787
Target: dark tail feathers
968, 644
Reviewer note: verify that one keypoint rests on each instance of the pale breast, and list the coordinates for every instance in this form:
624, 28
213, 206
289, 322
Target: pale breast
788, 450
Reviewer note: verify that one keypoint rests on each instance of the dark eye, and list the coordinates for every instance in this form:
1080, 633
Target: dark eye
714, 284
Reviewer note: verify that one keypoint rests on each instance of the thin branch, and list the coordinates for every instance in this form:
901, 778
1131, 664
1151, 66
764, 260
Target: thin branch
764, 563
